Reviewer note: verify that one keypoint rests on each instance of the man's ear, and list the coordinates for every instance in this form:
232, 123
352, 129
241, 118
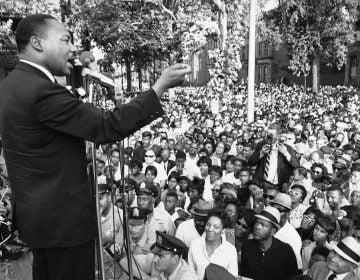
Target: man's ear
273, 230
36, 43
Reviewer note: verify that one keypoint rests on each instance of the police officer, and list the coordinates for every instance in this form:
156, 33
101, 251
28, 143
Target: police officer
157, 219
165, 262
137, 230
168, 258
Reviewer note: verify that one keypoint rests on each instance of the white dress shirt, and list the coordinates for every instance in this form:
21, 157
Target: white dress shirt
41, 68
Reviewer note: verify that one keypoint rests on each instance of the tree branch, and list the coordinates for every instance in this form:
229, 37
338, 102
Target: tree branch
162, 6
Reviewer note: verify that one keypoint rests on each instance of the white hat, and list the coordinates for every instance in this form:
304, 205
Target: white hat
282, 199
349, 249
270, 214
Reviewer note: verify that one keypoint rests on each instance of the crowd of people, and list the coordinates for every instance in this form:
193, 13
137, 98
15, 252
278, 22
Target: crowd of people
202, 193
209, 193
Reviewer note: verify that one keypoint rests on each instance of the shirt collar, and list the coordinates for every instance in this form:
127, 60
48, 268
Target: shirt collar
41, 68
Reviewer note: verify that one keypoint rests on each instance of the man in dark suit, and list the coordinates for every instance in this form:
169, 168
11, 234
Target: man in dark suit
165, 161
274, 159
43, 127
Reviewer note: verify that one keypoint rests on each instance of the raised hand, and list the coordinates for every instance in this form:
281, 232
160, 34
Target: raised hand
172, 76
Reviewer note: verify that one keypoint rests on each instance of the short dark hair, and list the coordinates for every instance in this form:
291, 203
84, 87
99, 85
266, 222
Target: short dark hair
245, 169
197, 184
328, 223
222, 215
152, 169
172, 194
32, 25
204, 159
146, 134
217, 169
134, 162
335, 187
115, 150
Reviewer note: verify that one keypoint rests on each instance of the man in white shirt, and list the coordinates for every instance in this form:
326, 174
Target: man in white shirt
287, 233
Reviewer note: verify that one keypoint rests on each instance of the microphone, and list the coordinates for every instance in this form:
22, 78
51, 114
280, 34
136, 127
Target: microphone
86, 58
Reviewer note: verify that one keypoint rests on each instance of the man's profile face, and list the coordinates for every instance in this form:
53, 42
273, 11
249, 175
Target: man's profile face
338, 264
57, 49
170, 203
163, 260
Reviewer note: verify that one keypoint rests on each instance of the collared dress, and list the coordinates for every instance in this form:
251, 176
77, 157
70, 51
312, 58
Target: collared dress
225, 255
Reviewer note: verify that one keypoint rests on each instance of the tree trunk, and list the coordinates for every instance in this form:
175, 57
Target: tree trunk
315, 71
128, 74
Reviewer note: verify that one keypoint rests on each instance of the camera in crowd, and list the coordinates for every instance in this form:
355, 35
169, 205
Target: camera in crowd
269, 139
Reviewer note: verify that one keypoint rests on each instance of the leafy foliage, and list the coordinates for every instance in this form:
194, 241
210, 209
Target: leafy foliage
6, 36
312, 28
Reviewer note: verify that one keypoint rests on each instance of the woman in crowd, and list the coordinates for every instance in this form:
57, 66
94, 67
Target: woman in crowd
307, 225
212, 247
325, 227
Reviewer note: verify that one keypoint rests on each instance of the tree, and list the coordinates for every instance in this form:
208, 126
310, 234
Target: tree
129, 32
316, 31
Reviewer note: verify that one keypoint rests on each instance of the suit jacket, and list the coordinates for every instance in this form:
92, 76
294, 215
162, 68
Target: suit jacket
43, 127
320, 271
170, 164
284, 167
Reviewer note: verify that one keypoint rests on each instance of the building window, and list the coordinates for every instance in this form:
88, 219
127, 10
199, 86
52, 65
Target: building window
259, 74
266, 50
260, 49
265, 74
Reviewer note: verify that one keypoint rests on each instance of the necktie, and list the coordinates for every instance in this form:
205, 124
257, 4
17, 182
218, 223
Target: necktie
332, 277
165, 166
267, 166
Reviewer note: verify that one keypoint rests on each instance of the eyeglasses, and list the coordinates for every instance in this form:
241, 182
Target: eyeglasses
292, 192
317, 172
149, 156
215, 190
271, 197
307, 217
231, 211
261, 224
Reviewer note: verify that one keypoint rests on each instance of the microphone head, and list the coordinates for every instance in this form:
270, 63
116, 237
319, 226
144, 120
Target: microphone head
86, 58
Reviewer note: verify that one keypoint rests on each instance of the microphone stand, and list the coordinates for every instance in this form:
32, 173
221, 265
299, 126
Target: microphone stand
89, 87
126, 206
